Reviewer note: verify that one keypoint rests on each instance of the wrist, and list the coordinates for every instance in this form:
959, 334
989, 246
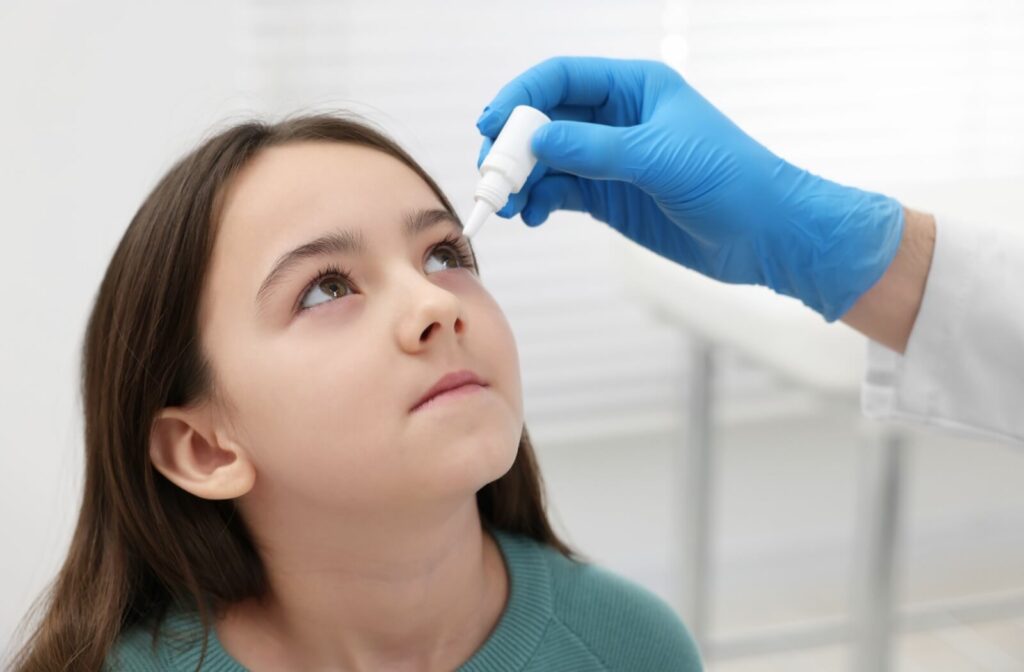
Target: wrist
886, 313
835, 241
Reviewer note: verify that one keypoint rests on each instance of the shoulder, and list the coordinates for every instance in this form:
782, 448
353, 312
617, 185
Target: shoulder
623, 624
626, 625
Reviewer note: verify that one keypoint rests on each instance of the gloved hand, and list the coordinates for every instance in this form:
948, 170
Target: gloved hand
638, 148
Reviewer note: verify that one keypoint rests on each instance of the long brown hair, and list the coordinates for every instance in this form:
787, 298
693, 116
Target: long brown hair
141, 544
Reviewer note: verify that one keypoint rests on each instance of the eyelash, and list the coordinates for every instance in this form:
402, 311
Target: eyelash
456, 243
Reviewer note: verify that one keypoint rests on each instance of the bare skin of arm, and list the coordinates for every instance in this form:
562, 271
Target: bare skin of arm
886, 313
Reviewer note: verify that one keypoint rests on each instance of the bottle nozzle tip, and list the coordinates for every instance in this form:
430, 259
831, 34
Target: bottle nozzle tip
481, 211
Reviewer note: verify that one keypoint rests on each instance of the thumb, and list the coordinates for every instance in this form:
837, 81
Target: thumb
589, 150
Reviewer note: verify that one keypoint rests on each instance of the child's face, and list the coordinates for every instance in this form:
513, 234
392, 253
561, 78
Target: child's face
321, 398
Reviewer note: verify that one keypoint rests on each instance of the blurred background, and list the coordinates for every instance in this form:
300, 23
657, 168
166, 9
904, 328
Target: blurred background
920, 99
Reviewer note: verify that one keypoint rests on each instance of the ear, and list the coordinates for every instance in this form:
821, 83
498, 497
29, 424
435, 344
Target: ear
185, 448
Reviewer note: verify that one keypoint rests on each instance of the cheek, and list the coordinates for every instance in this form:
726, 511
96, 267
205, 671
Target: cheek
504, 356
491, 342
315, 424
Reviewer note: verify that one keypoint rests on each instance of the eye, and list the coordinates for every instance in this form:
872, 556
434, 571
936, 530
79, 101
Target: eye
332, 281
451, 248
336, 283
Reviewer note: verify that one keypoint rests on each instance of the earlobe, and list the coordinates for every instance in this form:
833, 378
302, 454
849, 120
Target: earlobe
185, 449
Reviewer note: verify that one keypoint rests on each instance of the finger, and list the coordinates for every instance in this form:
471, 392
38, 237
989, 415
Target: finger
562, 80
485, 147
589, 150
572, 113
566, 113
554, 192
562, 113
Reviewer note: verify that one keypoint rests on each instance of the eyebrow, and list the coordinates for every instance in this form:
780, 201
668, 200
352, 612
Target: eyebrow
348, 242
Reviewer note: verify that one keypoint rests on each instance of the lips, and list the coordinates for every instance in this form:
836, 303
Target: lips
447, 382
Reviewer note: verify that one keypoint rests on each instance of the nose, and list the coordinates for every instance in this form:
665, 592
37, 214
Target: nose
432, 312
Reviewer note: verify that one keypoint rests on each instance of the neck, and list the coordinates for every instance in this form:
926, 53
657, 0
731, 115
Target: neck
377, 594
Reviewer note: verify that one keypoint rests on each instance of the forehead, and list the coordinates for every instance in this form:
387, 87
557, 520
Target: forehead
288, 192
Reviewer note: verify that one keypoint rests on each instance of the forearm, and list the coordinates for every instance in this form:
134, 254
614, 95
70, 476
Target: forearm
886, 312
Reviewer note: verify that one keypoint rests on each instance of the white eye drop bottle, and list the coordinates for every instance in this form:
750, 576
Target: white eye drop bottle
506, 167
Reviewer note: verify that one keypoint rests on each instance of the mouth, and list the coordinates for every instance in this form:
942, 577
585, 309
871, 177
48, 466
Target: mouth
454, 385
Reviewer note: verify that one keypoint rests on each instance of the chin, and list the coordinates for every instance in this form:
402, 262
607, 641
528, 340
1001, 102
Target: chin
477, 463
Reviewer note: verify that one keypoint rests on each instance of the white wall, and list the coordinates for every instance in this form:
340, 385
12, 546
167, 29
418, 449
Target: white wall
98, 99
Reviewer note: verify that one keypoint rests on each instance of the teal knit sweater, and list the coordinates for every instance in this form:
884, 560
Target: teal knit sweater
561, 615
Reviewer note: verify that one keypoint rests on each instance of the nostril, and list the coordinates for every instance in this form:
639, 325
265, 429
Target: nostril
426, 332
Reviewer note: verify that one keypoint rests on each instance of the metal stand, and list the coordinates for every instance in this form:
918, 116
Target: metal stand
695, 474
875, 607
876, 617
874, 599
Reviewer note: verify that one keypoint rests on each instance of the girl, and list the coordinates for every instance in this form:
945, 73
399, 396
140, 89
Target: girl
304, 437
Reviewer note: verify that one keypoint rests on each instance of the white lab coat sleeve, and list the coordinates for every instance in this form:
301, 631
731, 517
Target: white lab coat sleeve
963, 369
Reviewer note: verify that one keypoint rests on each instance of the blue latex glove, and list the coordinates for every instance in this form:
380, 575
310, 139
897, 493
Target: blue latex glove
638, 148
